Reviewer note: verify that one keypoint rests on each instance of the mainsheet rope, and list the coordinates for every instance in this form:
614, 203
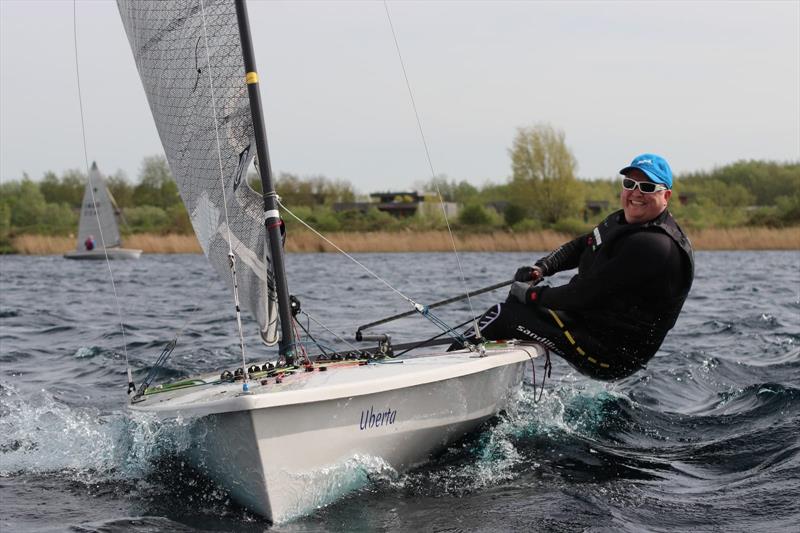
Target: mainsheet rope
131, 386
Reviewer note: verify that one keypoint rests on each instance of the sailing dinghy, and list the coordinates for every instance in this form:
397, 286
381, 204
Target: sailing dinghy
277, 435
98, 231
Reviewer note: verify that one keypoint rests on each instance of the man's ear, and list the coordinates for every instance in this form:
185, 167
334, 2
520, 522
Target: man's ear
667, 195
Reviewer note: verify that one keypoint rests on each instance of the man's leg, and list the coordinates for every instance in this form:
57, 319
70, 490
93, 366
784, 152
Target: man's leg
555, 330
512, 320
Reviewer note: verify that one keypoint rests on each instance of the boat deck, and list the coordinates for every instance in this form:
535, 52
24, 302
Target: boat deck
209, 394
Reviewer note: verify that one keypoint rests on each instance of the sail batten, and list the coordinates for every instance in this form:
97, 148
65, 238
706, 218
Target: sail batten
179, 74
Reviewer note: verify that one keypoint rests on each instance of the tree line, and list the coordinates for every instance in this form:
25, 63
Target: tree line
542, 192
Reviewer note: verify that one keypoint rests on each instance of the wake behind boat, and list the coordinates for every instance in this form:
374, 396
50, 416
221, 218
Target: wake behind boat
273, 435
98, 231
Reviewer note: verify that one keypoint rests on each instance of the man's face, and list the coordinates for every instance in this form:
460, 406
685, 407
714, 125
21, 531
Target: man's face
642, 207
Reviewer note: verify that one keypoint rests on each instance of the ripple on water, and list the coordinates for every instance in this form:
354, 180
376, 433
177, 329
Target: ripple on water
704, 438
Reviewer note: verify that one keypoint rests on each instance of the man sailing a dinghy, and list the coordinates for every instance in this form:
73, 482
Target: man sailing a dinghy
635, 270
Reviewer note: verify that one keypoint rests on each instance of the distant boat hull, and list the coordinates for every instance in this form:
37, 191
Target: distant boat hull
283, 450
113, 253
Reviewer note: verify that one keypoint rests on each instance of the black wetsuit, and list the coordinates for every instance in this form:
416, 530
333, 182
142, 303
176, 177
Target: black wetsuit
612, 317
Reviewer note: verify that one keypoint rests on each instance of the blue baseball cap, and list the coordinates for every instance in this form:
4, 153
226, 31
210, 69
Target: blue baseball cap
655, 166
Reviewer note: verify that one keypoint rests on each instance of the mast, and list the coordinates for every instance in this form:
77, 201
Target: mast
271, 215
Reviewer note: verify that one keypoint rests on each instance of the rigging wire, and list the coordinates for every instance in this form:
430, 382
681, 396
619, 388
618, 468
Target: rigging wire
166, 352
307, 330
131, 386
299, 344
323, 326
231, 255
424, 342
350, 257
433, 172
423, 310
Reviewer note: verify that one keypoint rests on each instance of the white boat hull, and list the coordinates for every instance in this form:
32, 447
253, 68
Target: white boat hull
283, 457
113, 253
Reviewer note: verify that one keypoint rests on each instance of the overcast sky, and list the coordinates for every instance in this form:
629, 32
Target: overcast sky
702, 83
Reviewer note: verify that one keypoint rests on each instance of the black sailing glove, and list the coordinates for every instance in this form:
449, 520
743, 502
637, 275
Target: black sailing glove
527, 273
524, 293
524, 274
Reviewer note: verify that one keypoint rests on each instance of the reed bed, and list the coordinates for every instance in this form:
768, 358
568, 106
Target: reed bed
503, 241
746, 239
173, 243
42, 244
148, 242
426, 241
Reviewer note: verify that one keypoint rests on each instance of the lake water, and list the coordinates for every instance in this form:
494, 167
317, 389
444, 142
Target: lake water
707, 438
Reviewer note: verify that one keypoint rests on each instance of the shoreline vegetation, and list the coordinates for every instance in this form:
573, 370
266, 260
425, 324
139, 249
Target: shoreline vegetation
741, 238
746, 205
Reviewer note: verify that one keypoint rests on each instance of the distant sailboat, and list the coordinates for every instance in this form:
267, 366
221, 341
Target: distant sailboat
99, 211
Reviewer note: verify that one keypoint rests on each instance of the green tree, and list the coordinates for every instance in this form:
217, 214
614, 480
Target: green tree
334, 191
179, 221
475, 215
5, 225
73, 183
59, 219
293, 191
28, 205
492, 192
156, 186
323, 219
50, 186
120, 189
732, 196
543, 174
513, 214
68, 190
461, 192
765, 180
148, 219
292, 225
311, 191
370, 220
788, 208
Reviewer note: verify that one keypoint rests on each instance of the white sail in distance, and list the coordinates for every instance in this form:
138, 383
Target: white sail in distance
97, 211
189, 58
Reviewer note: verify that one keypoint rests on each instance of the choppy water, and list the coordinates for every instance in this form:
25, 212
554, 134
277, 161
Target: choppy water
707, 438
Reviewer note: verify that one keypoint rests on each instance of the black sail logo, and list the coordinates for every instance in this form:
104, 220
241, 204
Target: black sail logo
241, 168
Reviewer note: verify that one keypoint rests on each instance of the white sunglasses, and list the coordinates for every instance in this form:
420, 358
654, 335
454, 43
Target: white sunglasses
647, 187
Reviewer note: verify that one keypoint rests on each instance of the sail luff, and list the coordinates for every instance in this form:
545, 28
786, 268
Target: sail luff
272, 220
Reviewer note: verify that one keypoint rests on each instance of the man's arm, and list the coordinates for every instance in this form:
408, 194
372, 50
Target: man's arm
565, 257
640, 258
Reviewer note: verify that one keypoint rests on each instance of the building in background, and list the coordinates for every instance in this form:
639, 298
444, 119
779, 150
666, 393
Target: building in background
402, 204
